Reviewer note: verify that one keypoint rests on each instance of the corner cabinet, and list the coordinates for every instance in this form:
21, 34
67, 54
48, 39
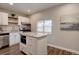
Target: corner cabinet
3, 18
22, 19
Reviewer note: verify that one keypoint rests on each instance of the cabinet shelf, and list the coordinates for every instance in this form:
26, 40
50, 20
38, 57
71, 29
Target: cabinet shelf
12, 22
12, 18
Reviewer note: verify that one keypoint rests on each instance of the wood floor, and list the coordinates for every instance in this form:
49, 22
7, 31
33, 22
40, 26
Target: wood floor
14, 50
56, 51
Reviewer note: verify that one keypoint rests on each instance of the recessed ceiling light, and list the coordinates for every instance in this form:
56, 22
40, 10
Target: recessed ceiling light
28, 10
11, 3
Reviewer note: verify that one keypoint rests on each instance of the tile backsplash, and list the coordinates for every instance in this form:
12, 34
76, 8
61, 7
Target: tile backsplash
10, 27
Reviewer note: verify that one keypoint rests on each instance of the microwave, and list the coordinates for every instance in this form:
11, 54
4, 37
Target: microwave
25, 27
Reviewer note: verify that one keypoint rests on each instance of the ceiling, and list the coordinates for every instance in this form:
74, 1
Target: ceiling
23, 7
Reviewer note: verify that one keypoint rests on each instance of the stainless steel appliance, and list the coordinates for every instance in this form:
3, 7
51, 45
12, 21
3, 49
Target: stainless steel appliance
25, 27
4, 40
23, 39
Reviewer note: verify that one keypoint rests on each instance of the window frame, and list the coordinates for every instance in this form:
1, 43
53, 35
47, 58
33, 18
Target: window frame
43, 25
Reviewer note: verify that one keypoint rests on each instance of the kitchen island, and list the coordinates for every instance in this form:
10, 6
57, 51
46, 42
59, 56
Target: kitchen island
34, 43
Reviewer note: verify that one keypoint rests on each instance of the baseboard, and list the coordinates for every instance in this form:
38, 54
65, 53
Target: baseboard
13, 44
4, 46
67, 49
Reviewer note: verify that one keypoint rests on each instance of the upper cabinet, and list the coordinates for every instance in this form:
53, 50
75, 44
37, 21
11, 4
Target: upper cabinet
3, 18
22, 19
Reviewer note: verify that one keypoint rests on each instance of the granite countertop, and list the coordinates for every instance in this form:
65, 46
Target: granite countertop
8, 31
4, 31
34, 34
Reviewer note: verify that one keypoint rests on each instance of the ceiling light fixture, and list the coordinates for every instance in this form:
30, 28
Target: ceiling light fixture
11, 3
28, 10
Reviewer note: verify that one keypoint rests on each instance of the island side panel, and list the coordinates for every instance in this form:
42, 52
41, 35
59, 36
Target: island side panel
42, 46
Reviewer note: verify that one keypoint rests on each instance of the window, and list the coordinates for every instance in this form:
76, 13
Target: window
44, 26
40, 26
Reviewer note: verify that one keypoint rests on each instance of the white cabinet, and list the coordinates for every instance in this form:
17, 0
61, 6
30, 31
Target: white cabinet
14, 38
23, 19
31, 45
34, 46
3, 18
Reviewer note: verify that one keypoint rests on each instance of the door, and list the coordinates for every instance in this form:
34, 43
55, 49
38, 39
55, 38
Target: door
4, 19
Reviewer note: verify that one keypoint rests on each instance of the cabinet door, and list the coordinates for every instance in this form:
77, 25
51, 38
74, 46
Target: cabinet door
14, 38
23, 19
17, 38
31, 43
26, 20
11, 39
4, 19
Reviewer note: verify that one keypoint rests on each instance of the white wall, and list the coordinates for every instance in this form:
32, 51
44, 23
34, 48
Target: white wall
10, 12
66, 39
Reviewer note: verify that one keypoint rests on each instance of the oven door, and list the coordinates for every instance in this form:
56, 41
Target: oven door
23, 39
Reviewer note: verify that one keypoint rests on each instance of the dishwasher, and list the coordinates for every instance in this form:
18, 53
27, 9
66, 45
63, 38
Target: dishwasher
4, 40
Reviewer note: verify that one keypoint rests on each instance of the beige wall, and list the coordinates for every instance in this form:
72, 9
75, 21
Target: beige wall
66, 39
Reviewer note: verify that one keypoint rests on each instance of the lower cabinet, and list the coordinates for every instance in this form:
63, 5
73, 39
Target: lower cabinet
31, 45
4, 40
14, 38
34, 46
